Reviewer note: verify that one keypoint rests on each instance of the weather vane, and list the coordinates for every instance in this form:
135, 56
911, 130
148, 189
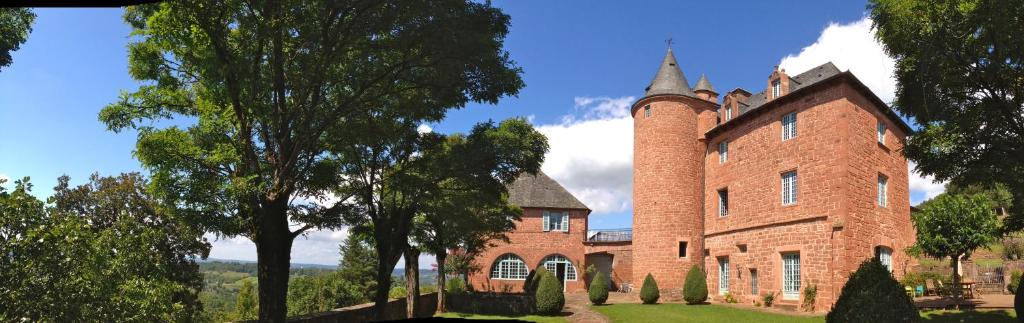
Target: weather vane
668, 42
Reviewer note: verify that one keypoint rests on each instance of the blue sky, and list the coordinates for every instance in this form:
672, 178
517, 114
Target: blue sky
584, 63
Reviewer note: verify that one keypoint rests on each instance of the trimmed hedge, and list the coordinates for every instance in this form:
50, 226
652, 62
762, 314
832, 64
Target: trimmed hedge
873, 295
598, 289
695, 289
533, 280
549, 298
649, 293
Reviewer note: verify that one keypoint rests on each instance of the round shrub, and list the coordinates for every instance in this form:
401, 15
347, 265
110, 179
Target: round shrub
549, 298
598, 289
455, 286
872, 295
1014, 282
695, 289
649, 293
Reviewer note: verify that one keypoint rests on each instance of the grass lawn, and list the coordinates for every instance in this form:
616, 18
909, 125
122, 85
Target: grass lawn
988, 316
531, 318
694, 313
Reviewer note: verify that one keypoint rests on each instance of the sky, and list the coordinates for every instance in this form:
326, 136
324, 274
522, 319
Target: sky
583, 67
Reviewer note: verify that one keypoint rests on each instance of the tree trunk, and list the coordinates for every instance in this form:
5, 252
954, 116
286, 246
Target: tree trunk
441, 279
380, 300
273, 253
956, 280
412, 281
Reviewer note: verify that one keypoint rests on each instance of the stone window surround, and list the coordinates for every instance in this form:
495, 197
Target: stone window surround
776, 263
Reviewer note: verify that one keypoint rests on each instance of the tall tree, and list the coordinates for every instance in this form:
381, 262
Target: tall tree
960, 75
358, 265
104, 251
393, 181
15, 25
260, 90
953, 225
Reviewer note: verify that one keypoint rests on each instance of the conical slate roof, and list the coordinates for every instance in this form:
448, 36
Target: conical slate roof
541, 191
670, 79
704, 84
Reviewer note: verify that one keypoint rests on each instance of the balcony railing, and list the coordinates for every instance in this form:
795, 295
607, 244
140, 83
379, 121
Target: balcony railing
610, 235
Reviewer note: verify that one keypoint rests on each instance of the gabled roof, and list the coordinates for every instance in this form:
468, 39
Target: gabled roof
541, 191
802, 80
670, 79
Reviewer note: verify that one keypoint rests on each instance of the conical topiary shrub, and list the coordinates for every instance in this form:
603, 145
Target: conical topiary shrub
532, 280
872, 295
649, 293
598, 289
549, 298
695, 289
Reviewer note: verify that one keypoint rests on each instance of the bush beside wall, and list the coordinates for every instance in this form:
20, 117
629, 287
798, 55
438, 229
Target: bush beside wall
649, 292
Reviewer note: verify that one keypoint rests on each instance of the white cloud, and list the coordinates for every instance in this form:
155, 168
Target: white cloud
424, 128
850, 47
592, 152
923, 187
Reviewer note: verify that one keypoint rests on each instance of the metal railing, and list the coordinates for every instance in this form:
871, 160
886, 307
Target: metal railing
610, 235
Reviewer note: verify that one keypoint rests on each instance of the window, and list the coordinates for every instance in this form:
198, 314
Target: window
882, 190
723, 202
682, 249
776, 89
884, 256
791, 276
789, 188
551, 264
728, 113
789, 126
753, 282
723, 275
556, 221
723, 151
742, 248
509, 267
881, 132
647, 111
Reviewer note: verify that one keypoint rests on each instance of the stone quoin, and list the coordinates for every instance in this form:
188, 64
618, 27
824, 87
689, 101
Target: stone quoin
769, 192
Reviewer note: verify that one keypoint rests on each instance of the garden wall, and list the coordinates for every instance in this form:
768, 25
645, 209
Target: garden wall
364, 312
491, 303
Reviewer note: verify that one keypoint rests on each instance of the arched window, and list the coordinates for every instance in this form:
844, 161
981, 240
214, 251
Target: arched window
510, 267
551, 264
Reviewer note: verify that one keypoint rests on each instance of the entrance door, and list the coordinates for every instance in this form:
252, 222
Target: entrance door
560, 274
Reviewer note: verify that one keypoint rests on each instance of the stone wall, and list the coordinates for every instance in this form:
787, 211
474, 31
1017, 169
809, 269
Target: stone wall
365, 312
621, 254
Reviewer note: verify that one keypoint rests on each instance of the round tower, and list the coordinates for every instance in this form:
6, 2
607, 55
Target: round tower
669, 123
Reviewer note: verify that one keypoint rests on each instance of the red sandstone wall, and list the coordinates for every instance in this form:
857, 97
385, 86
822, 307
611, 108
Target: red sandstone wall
622, 259
667, 175
530, 242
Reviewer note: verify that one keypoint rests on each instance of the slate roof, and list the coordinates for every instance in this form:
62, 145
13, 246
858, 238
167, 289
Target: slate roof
542, 191
704, 84
669, 79
802, 80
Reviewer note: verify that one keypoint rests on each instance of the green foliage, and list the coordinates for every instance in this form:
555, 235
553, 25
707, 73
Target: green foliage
15, 25
649, 292
533, 280
810, 295
695, 287
455, 286
397, 292
953, 225
1013, 248
358, 264
873, 295
102, 250
730, 299
320, 293
247, 302
1014, 281
957, 61
598, 289
549, 298
768, 299
914, 279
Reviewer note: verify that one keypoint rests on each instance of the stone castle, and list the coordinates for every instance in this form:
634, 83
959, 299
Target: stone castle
769, 192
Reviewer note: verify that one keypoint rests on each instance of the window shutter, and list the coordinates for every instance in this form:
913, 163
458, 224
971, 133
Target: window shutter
546, 221
565, 221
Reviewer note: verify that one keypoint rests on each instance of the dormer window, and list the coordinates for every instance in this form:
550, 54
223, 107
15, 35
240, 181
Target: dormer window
776, 89
728, 113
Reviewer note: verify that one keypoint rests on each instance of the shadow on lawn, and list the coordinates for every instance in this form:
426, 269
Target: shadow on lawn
971, 316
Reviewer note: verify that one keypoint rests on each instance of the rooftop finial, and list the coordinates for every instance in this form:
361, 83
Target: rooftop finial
668, 43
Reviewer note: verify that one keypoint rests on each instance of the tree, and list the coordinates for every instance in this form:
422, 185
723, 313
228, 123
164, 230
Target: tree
15, 25
958, 73
102, 251
359, 265
649, 292
598, 292
952, 225
695, 287
873, 295
320, 293
416, 175
260, 92
246, 304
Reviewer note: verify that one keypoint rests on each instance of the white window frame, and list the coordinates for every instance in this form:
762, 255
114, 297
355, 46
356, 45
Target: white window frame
551, 264
723, 275
723, 202
883, 190
789, 126
509, 267
880, 130
753, 282
647, 111
885, 257
791, 276
776, 88
728, 113
723, 151
789, 188
561, 226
